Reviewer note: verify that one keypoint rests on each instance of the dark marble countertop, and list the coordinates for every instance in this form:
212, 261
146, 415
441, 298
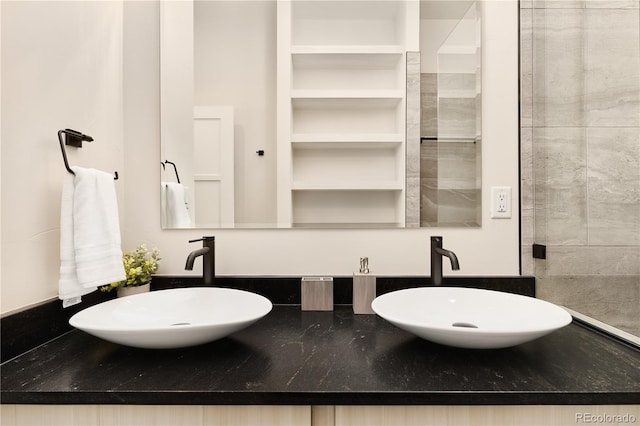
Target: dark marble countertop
326, 358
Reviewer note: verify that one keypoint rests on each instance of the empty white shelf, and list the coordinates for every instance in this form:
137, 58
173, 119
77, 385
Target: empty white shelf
346, 49
347, 94
346, 186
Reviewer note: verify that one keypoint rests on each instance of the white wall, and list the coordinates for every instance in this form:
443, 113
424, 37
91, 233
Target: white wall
34, 109
0, 151
61, 67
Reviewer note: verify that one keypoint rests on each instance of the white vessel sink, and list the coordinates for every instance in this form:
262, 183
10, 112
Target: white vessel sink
172, 318
470, 317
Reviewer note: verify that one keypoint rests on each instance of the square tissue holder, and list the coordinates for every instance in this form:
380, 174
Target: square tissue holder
317, 293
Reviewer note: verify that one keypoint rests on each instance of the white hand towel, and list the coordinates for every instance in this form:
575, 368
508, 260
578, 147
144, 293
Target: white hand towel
163, 205
90, 251
176, 213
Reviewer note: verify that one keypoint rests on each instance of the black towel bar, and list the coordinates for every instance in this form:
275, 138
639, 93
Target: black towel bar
175, 169
74, 138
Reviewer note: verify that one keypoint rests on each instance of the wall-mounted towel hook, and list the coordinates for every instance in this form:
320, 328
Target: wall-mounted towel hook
175, 169
75, 139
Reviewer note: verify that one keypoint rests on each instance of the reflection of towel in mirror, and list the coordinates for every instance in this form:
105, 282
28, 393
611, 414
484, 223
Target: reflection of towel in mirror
174, 206
90, 251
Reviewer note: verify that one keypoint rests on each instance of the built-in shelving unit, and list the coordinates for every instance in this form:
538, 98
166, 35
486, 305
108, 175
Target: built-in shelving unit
341, 107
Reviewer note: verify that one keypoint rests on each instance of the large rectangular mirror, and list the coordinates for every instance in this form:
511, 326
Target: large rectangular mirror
320, 113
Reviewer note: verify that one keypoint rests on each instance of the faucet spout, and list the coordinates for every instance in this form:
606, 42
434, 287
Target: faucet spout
208, 253
455, 265
436, 260
192, 257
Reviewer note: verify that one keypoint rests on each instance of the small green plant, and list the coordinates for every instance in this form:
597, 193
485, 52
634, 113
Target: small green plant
139, 265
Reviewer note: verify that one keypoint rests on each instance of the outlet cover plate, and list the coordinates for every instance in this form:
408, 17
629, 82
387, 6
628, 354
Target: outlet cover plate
500, 202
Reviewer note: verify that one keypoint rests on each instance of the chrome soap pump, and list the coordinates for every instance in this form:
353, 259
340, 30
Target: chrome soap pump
364, 289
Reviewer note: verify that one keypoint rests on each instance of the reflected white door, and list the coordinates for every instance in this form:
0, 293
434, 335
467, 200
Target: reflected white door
213, 166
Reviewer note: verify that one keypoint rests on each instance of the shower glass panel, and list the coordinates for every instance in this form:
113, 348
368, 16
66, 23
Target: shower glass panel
581, 155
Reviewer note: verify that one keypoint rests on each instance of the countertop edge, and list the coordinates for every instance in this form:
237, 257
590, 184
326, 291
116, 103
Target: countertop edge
318, 398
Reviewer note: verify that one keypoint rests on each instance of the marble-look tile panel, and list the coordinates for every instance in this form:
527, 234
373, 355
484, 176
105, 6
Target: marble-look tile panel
478, 150
566, 150
478, 107
429, 183
559, 4
526, 68
562, 191
607, 298
458, 206
614, 213
412, 196
566, 215
526, 253
456, 117
526, 153
457, 163
581, 261
428, 202
612, 4
457, 105
540, 270
456, 82
614, 153
539, 164
429, 159
614, 186
412, 203
526, 200
413, 108
612, 67
558, 67
429, 103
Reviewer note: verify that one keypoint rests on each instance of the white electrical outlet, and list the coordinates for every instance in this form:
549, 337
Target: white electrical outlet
500, 202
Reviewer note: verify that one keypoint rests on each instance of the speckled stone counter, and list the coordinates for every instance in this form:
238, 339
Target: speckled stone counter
326, 358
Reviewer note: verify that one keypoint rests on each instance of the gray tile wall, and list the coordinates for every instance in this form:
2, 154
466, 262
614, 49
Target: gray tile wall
449, 170
412, 207
429, 104
429, 183
429, 149
580, 162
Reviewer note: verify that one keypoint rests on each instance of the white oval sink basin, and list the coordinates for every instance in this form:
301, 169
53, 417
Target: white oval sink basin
172, 318
470, 317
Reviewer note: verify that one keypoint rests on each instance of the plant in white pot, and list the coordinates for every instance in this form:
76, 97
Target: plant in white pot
139, 265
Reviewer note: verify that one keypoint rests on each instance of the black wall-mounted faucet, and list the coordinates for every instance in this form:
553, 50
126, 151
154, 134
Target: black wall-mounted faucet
436, 260
208, 253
